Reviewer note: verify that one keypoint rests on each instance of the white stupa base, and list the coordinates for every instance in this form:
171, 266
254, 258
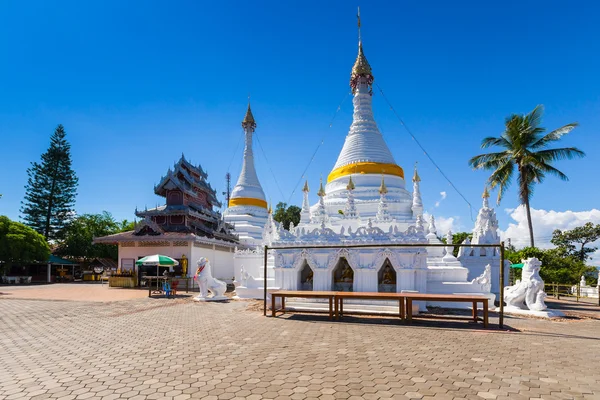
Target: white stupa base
531, 313
242, 292
213, 298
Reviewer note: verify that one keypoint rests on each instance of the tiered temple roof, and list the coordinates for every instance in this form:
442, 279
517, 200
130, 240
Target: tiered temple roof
188, 212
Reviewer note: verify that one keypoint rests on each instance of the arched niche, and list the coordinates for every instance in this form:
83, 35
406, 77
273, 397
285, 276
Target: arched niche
386, 277
343, 276
306, 277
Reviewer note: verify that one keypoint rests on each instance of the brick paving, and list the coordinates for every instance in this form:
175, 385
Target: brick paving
71, 291
165, 348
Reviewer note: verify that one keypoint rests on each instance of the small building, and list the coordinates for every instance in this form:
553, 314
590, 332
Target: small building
185, 227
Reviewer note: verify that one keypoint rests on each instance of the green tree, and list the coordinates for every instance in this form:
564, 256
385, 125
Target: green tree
51, 188
574, 242
126, 225
525, 146
80, 233
20, 244
284, 214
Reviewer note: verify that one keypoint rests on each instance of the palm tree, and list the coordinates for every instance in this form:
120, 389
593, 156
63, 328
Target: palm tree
526, 147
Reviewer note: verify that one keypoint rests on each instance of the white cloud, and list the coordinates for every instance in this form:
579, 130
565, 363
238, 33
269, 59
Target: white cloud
442, 198
544, 223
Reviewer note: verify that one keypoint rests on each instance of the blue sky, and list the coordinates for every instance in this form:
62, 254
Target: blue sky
137, 83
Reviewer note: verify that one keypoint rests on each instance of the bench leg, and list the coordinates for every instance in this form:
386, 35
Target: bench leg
401, 306
485, 313
475, 311
341, 306
330, 307
337, 313
409, 311
273, 298
283, 304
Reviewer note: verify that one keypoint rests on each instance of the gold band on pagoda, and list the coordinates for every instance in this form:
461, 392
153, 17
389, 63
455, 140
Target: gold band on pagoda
366, 168
247, 201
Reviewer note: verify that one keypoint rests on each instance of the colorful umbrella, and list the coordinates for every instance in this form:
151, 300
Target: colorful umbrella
157, 259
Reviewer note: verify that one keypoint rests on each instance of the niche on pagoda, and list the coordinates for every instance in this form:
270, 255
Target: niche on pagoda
386, 278
306, 277
343, 276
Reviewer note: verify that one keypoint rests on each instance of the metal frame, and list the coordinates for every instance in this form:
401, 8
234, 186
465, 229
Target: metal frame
363, 246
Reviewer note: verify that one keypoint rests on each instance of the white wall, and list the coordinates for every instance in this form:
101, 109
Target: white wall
171, 251
220, 260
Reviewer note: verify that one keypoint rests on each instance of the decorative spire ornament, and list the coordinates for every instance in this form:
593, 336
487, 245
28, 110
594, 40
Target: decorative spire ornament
417, 203
305, 213
449, 248
320, 216
382, 210
485, 196
350, 211
361, 68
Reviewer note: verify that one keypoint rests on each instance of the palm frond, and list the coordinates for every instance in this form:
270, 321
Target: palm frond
547, 168
480, 161
564, 153
554, 135
495, 141
501, 178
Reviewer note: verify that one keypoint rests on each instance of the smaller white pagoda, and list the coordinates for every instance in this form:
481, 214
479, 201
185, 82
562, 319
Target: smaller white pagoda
247, 209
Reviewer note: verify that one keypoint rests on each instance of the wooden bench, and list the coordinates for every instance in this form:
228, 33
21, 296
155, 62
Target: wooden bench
340, 296
454, 298
301, 294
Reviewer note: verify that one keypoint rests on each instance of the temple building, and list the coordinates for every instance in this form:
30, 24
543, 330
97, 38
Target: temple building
247, 208
365, 201
186, 227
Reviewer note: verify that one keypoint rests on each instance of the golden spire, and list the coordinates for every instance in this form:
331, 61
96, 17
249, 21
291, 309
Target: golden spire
416, 177
382, 188
321, 192
305, 188
270, 209
350, 184
248, 121
361, 66
486, 193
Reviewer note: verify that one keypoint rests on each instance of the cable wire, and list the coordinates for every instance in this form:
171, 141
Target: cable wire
318, 147
269, 165
425, 151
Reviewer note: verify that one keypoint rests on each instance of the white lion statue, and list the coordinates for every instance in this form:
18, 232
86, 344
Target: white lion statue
207, 283
530, 289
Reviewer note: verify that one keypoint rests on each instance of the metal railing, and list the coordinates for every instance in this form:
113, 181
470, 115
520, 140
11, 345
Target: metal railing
558, 290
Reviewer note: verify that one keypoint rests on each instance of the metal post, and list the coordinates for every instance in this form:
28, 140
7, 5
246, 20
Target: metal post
501, 318
578, 291
265, 284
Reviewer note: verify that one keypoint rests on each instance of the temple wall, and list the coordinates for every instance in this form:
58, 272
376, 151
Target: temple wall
221, 260
137, 252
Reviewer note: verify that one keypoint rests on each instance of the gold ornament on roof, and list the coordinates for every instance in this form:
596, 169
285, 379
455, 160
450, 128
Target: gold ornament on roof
351, 185
382, 188
305, 188
416, 177
248, 121
321, 192
486, 193
361, 66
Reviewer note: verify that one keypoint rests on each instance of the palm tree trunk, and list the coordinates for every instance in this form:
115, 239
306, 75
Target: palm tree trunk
529, 221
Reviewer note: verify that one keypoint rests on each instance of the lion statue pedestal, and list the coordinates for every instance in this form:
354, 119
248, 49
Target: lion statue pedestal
207, 283
526, 297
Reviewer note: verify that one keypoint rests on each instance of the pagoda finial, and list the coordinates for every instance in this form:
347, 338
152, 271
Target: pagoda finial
351, 185
416, 177
248, 122
485, 196
361, 66
382, 188
321, 192
305, 188
486, 193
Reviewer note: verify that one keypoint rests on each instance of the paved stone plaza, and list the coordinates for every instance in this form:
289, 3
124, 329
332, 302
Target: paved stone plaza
176, 348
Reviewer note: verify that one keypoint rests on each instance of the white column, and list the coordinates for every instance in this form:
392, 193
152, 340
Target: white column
405, 280
365, 280
321, 279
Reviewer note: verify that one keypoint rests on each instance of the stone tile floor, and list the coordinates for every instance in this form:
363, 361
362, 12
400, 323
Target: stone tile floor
176, 348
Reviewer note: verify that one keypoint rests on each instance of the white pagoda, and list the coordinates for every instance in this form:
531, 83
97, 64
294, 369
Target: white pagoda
365, 201
247, 209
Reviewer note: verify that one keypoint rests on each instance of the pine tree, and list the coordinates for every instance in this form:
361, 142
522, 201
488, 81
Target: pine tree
51, 189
